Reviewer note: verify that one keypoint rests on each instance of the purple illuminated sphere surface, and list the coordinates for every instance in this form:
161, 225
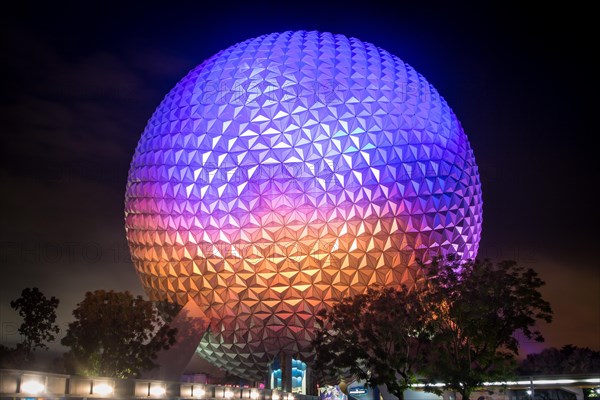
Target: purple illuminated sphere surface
287, 172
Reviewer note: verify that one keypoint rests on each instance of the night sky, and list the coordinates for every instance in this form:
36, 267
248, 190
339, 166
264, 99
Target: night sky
80, 80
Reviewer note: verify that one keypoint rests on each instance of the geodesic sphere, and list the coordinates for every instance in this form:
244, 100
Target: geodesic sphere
287, 172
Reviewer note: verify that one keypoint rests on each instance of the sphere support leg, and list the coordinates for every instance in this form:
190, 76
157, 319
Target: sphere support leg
191, 324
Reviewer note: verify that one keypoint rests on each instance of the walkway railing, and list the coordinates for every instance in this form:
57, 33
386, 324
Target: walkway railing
21, 384
17, 384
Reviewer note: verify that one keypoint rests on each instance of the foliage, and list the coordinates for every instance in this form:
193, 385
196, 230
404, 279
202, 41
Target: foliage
567, 360
39, 317
378, 337
38, 328
457, 326
115, 334
479, 307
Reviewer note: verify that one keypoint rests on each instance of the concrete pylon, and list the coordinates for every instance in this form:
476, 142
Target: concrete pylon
285, 362
311, 383
191, 324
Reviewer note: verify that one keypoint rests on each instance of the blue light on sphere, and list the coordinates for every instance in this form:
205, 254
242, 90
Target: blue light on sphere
287, 172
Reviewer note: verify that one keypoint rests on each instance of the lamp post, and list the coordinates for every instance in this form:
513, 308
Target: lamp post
531, 391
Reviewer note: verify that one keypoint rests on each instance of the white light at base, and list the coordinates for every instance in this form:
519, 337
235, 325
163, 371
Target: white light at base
430, 384
198, 392
32, 387
254, 395
228, 394
102, 389
274, 396
157, 391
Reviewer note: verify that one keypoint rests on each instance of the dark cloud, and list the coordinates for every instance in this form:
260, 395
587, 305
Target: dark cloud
70, 125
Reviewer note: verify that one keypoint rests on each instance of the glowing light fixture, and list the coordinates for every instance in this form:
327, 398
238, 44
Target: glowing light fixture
157, 390
102, 389
32, 387
439, 384
275, 396
228, 394
198, 391
528, 383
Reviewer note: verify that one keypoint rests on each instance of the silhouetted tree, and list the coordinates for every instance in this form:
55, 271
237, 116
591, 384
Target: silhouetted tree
37, 329
479, 306
568, 360
115, 334
377, 337
39, 320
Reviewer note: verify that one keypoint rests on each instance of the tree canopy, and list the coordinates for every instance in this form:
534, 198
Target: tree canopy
37, 328
456, 326
378, 337
568, 359
480, 306
39, 317
115, 334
